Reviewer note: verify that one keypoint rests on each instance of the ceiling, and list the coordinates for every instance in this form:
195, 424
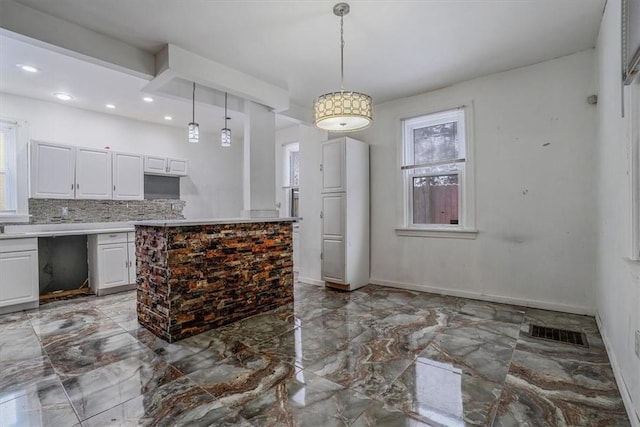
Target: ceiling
393, 49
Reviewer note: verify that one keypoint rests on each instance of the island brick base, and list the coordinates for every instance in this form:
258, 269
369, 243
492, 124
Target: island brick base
197, 277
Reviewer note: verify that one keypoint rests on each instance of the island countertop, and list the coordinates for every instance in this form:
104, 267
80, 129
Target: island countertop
210, 221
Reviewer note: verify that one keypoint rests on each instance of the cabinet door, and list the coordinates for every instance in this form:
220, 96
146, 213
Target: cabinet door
177, 167
155, 165
52, 171
93, 174
333, 216
113, 265
18, 277
333, 167
333, 261
132, 262
127, 177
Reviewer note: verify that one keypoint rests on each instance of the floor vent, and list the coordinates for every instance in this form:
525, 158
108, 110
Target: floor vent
558, 335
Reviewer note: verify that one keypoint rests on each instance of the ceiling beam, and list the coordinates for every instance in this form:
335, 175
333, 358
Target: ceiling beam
173, 62
32, 26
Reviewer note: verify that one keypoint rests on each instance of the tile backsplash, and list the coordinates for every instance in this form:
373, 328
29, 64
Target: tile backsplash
46, 211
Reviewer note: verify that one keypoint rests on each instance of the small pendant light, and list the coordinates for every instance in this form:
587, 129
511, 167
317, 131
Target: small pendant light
225, 133
194, 130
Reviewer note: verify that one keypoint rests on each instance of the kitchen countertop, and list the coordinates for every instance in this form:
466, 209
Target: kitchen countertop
66, 229
209, 221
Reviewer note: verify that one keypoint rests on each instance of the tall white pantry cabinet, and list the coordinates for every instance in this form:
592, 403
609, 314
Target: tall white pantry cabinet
345, 213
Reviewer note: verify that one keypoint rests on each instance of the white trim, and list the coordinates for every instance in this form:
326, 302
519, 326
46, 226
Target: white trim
545, 305
617, 373
452, 233
633, 130
310, 281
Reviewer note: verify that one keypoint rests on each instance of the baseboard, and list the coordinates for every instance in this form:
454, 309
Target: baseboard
310, 281
19, 307
617, 372
545, 305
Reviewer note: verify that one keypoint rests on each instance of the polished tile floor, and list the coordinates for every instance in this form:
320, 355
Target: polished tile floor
374, 357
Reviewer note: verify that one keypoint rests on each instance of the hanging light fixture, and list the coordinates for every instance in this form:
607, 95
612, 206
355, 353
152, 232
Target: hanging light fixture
342, 111
225, 133
194, 129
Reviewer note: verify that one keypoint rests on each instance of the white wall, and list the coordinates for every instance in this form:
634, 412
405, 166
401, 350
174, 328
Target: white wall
618, 278
214, 185
309, 203
535, 204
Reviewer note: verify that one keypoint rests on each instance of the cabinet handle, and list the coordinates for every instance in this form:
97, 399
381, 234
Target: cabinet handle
113, 235
321, 215
114, 188
320, 168
72, 186
77, 186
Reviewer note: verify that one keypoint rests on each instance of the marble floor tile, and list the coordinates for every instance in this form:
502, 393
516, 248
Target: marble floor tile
177, 403
39, 404
376, 356
439, 393
540, 391
19, 344
305, 400
556, 319
16, 375
103, 388
243, 376
92, 353
475, 358
360, 369
377, 414
495, 332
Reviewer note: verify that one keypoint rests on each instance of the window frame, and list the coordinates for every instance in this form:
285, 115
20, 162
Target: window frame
21, 168
466, 190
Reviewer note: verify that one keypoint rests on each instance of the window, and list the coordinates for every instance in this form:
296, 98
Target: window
292, 178
436, 172
8, 175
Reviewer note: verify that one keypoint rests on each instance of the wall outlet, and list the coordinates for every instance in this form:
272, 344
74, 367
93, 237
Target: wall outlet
638, 344
65, 212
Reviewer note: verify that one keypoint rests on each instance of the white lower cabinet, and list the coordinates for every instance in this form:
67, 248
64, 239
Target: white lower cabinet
18, 274
112, 262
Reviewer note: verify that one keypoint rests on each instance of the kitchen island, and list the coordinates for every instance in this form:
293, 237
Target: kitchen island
196, 275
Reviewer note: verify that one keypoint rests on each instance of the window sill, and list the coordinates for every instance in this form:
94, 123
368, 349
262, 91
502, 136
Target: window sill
447, 233
10, 218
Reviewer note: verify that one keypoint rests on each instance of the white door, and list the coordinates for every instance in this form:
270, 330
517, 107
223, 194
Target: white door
132, 262
333, 260
333, 167
18, 277
52, 171
93, 174
154, 164
127, 177
113, 265
333, 215
177, 167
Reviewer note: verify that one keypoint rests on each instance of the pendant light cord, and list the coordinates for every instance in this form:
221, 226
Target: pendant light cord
342, 52
193, 104
225, 110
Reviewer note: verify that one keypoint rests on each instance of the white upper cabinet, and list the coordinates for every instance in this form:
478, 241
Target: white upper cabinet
155, 165
93, 174
177, 167
127, 177
333, 167
52, 171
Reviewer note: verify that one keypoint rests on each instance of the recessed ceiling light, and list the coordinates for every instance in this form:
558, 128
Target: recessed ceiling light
28, 68
63, 96
110, 106
168, 118
147, 99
